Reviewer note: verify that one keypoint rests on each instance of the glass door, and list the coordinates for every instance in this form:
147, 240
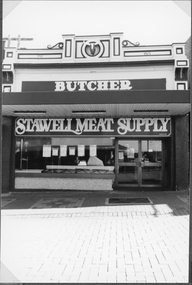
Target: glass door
128, 152
139, 163
151, 162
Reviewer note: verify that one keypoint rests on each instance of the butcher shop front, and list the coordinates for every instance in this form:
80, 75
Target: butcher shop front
126, 151
96, 113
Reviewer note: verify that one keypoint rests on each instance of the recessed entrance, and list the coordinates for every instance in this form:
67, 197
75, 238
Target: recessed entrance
139, 163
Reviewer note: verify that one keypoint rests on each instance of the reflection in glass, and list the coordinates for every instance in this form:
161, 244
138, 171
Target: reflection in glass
140, 162
34, 154
128, 162
151, 162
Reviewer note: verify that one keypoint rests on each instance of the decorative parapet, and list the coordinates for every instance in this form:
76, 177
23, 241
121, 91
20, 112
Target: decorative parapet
58, 45
127, 43
92, 49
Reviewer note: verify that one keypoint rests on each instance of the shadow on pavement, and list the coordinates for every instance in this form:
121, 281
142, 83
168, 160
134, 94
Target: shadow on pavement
176, 203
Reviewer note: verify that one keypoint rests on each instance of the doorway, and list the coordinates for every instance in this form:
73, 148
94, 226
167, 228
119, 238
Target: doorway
139, 163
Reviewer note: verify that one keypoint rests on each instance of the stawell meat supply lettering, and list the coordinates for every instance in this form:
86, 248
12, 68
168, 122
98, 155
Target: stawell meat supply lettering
93, 126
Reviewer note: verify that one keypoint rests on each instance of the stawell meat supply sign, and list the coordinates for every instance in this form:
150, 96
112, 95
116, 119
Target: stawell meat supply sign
93, 126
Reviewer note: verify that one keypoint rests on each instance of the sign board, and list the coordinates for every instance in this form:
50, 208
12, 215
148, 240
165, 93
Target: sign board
94, 85
93, 126
93, 150
63, 150
46, 150
81, 150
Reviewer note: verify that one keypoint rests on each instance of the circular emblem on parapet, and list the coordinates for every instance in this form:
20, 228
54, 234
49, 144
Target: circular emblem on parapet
92, 48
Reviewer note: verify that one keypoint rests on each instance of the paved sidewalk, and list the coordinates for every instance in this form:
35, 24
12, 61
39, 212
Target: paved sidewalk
74, 236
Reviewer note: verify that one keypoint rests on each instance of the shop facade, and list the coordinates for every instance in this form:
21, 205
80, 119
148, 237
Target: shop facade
96, 113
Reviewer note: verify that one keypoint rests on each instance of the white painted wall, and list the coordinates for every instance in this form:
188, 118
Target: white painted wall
152, 72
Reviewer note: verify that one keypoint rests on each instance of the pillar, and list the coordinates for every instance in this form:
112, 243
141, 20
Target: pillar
7, 135
182, 152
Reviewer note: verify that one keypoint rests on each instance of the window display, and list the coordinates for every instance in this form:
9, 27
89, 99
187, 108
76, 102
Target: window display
46, 154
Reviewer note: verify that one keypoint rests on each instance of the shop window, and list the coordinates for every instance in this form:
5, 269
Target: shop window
42, 154
28, 153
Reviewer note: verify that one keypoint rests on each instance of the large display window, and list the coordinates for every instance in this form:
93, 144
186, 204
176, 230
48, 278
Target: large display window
64, 155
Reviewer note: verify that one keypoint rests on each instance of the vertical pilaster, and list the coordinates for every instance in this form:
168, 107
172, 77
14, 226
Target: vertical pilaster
6, 154
68, 47
116, 46
182, 152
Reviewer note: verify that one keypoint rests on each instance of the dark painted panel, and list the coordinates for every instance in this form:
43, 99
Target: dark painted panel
135, 84
65, 175
101, 97
93, 64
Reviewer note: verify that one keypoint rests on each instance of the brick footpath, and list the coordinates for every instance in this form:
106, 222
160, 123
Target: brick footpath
92, 242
